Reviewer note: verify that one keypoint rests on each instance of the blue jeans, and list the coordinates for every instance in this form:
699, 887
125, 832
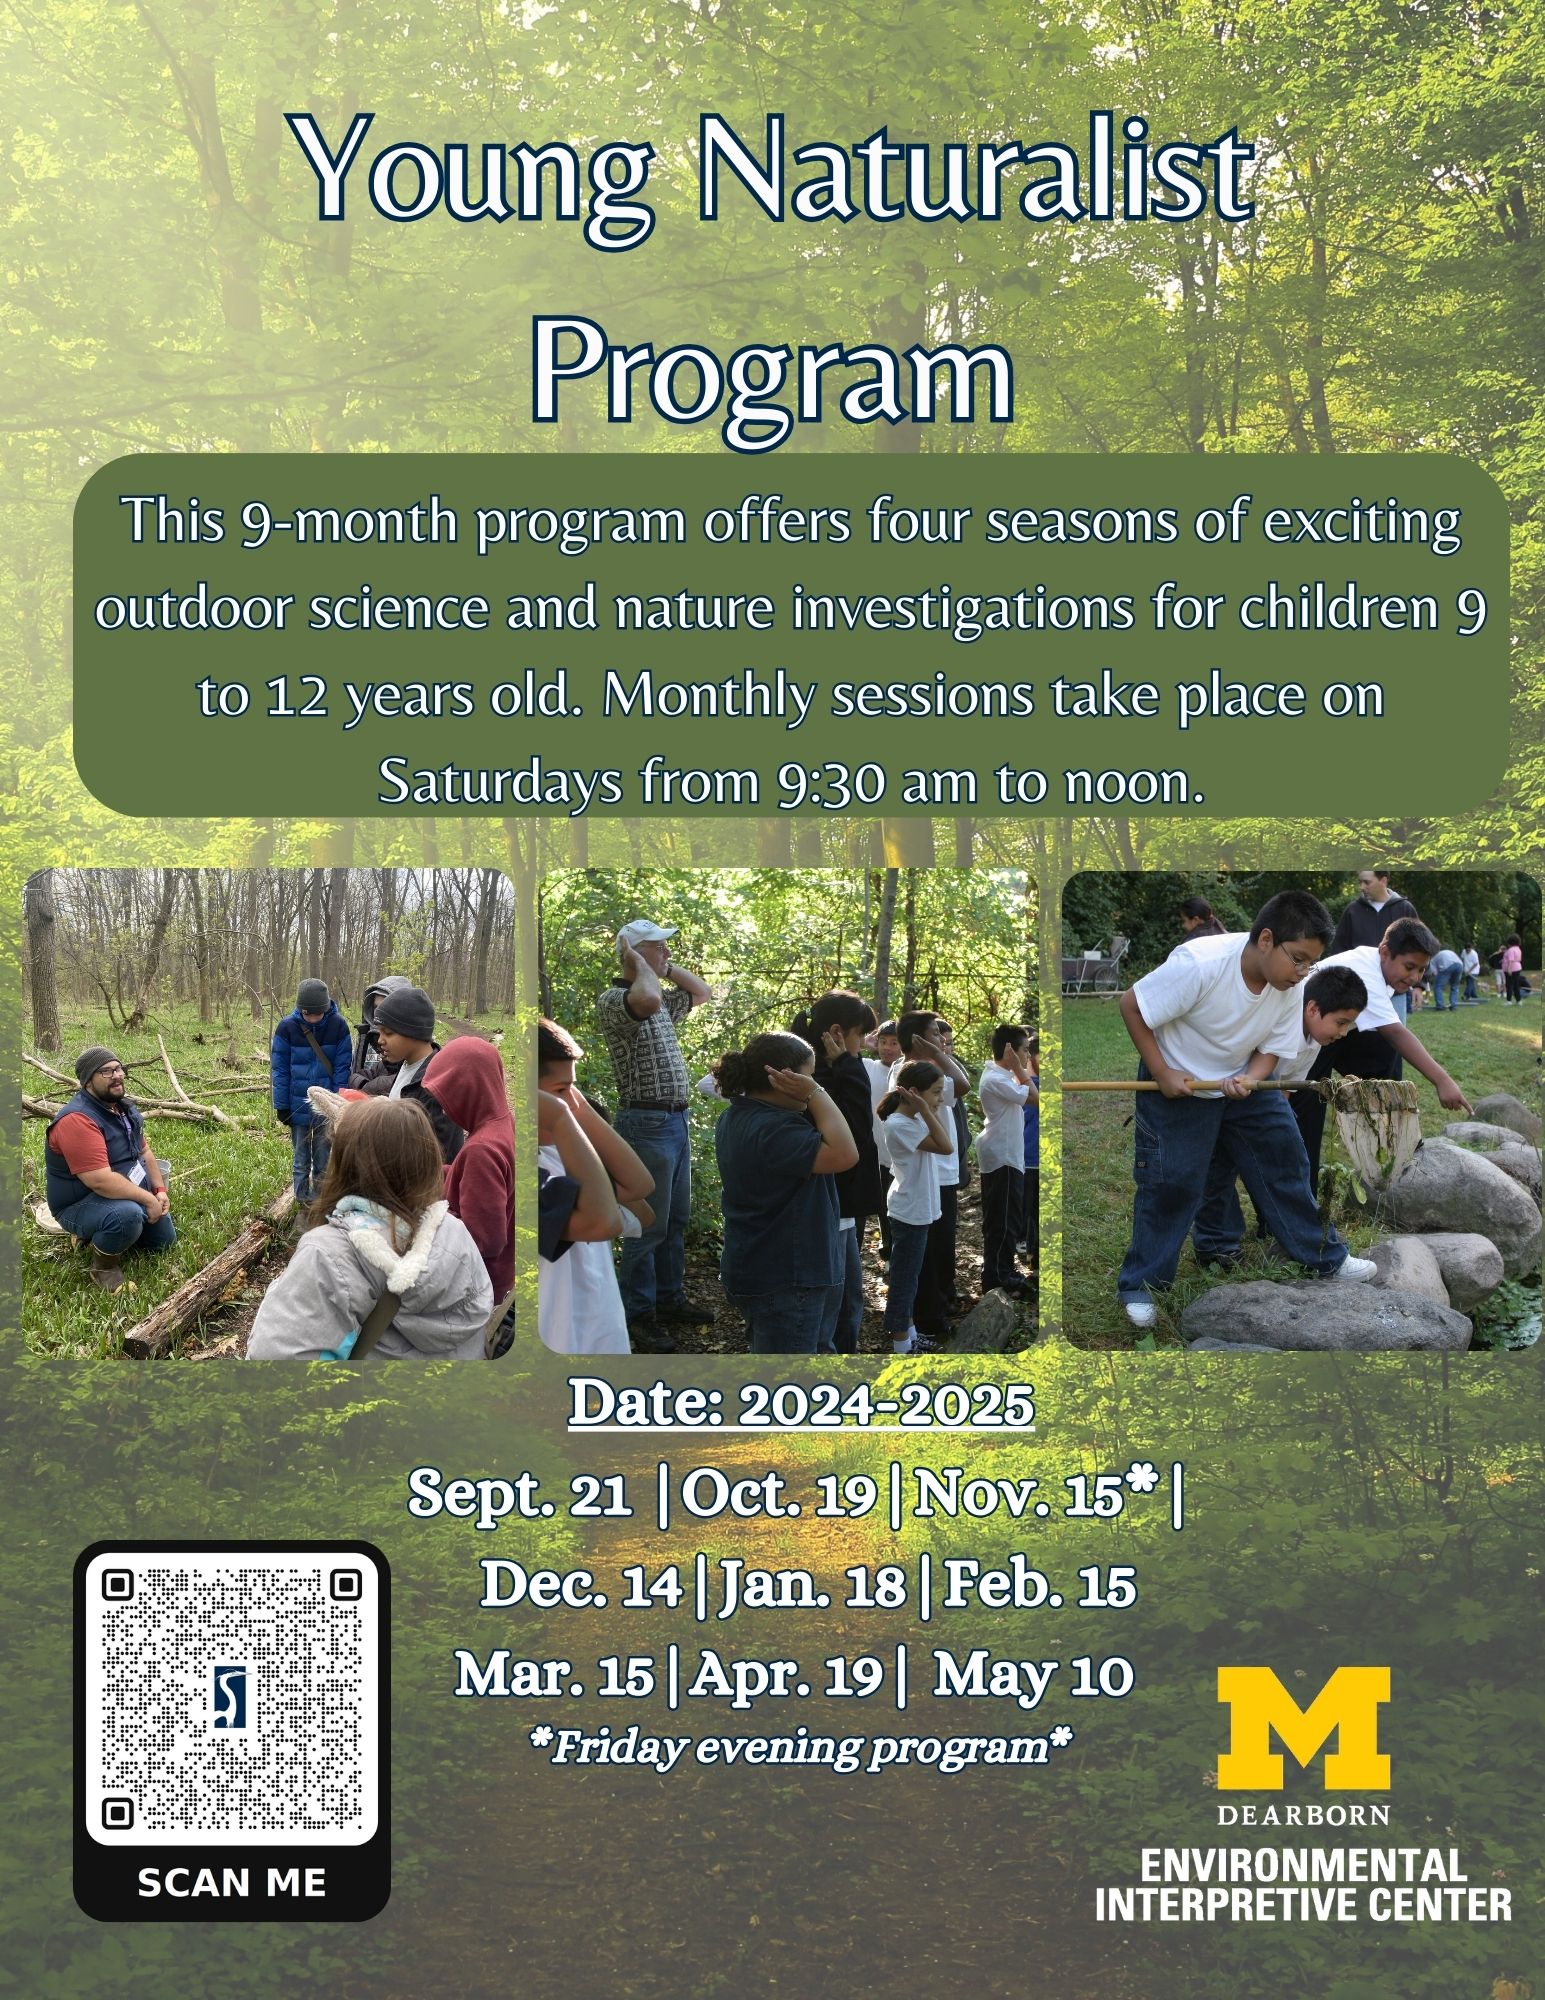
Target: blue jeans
1003, 1223
787, 1322
1253, 1138
652, 1267
845, 1313
312, 1147
1470, 992
115, 1226
1218, 1233
909, 1246
1447, 982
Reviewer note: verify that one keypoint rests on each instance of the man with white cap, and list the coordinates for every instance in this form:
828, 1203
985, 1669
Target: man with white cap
638, 1015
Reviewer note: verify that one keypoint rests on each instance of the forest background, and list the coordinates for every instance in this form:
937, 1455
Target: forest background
167, 288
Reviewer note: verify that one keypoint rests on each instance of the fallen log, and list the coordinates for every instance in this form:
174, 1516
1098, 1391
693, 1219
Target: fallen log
48, 1069
155, 1333
214, 1111
197, 1114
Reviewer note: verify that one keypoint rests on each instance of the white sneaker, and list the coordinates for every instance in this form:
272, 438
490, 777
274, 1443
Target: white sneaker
1356, 1271
907, 1344
1140, 1312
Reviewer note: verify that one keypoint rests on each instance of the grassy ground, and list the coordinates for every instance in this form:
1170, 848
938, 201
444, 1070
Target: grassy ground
218, 1180
1485, 1048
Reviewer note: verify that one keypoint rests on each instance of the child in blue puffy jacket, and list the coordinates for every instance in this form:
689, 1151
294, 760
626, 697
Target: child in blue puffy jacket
312, 1045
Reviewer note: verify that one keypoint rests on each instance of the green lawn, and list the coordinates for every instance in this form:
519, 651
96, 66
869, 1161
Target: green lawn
218, 1179
1485, 1048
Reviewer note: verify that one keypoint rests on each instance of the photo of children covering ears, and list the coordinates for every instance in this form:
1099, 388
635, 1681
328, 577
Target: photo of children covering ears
1387, 1151
756, 1158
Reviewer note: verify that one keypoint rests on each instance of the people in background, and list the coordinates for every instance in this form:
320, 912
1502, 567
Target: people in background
1005, 1087
1513, 970
310, 1047
918, 1137
405, 1029
835, 1027
1197, 918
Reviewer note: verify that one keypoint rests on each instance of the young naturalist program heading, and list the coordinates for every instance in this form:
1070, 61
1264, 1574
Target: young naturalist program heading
1123, 175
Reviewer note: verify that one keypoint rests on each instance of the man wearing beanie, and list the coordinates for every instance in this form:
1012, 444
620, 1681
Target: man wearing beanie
405, 1028
105, 1186
311, 1045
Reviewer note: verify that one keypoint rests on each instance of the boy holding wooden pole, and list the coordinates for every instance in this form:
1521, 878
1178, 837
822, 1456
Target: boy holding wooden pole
1224, 1009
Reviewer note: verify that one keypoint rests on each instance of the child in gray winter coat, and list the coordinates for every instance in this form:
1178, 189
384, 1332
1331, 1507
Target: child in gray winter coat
379, 1224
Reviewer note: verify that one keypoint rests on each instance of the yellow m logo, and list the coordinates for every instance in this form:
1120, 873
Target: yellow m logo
1258, 1704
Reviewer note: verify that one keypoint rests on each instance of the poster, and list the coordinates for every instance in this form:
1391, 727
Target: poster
890, 502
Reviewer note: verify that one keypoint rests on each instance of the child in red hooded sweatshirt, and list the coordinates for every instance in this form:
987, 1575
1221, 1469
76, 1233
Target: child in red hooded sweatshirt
466, 1078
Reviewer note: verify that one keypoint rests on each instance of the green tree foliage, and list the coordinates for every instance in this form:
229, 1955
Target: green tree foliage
1461, 907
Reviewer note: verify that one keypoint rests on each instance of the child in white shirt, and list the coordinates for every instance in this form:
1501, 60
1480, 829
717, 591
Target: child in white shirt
917, 1138
1381, 1043
1005, 1087
1224, 1011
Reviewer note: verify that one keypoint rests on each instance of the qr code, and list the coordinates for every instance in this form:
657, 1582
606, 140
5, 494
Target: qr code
232, 1696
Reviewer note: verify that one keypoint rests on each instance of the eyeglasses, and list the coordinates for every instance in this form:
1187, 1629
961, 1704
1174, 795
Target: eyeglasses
112, 1069
1298, 964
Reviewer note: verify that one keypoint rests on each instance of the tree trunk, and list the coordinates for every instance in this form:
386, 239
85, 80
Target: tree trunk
773, 849
41, 973
251, 963
909, 976
908, 843
135, 1019
882, 949
314, 881
200, 943
482, 937
337, 892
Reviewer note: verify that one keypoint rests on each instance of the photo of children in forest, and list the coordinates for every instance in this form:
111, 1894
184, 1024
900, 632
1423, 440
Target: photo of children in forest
244, 1138
1254, 1017
766, 1133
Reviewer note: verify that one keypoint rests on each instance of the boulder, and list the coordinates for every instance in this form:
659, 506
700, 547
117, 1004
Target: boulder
1501, 1109
1327, 1317
994, 1325
1445, 1188
1211, 1346
1486, 1138
1407, 1265
1522, 1164
1471, 1266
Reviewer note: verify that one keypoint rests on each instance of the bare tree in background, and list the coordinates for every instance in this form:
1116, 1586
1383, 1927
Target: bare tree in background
40, 960
150, 964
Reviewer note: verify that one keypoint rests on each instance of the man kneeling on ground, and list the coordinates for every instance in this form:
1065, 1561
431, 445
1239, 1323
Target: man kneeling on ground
105, 1185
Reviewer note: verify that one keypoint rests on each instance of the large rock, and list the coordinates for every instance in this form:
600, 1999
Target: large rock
1446, 1188
1212, 1346
1473, 1132
1471, 1266
1326, 1317
1501, 1109
1520, 1163
1407, 1265
994, 1325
